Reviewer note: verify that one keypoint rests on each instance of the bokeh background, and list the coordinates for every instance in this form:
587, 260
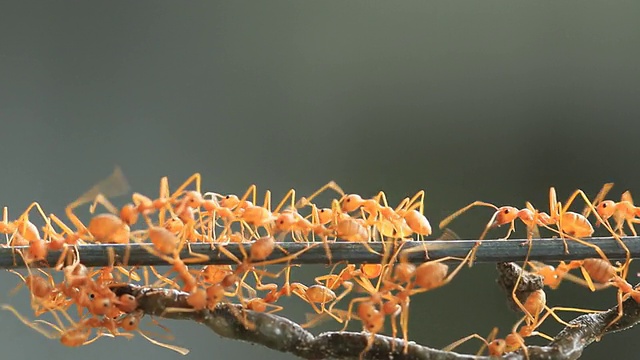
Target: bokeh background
490, 100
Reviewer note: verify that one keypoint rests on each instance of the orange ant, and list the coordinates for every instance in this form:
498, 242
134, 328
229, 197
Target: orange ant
166, 243
496, 347
589, 207
624, 210
553, 276
44, 295
23, 231
258, 216
515, 340
412, 211
370, 271
503, 215
75, 336
570, 224
351, 229
143, 205
105, 228
260, 250
292, 221
316, 294
406, 219
195, 200
536, 301
625, 290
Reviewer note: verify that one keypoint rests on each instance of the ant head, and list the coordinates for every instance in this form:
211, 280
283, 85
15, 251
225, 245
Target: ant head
606, 209
285, 221
325, 215
505, 215
229, 201
193, 199
497, 347
129, 214
174, 225
130, 322
351, 202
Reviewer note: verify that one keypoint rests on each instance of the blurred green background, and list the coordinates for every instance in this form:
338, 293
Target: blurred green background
487, 100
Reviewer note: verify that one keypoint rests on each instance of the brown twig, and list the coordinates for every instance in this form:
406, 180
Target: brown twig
278, 333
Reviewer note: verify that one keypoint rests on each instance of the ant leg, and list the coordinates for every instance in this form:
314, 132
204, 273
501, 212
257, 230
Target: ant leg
101, 199
381, 199
250, 191
457, 269
163, 278
587, 278
114, 185
165, 196
82, 229
30, 324
291, 195
330, 185
553, 202
284, 259
267, 200
230, 255
490, 338
551, 311
489, 226
450, 218
348, 288
195, 178
608, 227
457, 343
620, 311
350, 309
25, 214
138, 199
414, 204
601, 195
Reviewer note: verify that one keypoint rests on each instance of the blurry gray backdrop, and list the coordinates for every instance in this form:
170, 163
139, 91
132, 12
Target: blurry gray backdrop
488, 100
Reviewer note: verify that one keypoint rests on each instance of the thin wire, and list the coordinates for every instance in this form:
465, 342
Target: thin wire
489, 251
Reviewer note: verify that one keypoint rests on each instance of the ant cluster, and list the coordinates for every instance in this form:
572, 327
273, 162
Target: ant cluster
175, 220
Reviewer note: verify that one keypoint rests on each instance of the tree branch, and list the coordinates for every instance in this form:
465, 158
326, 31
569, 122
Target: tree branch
279, 333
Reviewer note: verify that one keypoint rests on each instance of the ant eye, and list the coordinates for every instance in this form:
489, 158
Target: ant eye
92, 296
604, 205
227, 197
506, 211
